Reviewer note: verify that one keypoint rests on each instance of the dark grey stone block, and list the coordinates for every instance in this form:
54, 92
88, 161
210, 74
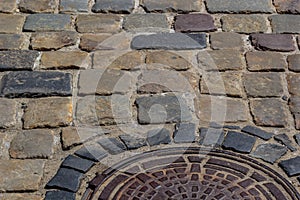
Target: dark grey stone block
269, 152
77, 163
239, 142
61, 195
291, 166
158, 136
18, 60
133, 142
112, 145
92, 152
257, 132
185, 132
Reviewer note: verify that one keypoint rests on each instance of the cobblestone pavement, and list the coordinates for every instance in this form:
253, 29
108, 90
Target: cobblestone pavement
149, 99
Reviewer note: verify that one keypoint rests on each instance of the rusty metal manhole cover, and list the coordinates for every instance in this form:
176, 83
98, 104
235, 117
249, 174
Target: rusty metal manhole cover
192, 173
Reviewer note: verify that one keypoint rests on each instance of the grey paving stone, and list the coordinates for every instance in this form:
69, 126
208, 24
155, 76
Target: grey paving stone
8, 110
265, 61
257, 132
91, 152
284, 139
18, 59
66, 179
74, 6
178, 6
169, 41
36, 84
142, 22
294, 62
11, 41
77, 163
293, 84
285, 23
291, 166
269, 152
239, 142
61, 195
8, 6
297, 138
132, 142
287, 6
47, 22
112, 145
226, 40
158, 136
185, 133
239, 6
194, 23
211, 136
41, 6
105, 6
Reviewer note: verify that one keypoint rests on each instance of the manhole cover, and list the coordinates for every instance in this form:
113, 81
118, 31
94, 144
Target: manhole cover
192, 173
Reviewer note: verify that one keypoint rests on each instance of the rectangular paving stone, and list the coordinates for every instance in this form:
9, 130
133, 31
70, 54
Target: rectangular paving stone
133, 141
77, 163
185, 133
112, 145
285, 23
285, 140
8, 6
21, 175
158, 136
294, 104
146, 22
293, 84
41, 6
239, 142
269, 152
68, 6
19, 196
11, 41
257, 132
92, 152
194, 23
291, 166
226, 40
169, 41
239, 6
11, 23
36, 84
211, 137
18, 60
294, 62
47, 22
59, 194
8, 110
92, 42
105, 6
297, 121
172, 5
287, 6
265, 61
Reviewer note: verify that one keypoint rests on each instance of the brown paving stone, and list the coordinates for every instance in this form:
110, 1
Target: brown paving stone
294, 62
11, 41
172, 5
45, 6
294, 104
265, 61
10, 196
293, 84
194, 23
91, 42
48, 112
11, 23
269, 112
128, 61
226, 40
287, 6
8, 113
8, 6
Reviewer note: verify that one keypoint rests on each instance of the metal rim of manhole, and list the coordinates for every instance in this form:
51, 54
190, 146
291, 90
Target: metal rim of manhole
190, 173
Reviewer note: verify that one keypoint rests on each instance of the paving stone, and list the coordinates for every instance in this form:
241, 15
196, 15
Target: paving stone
284, 139
226, 40
36, 84
41, 6
60, 115
273, 42
73, 6
257, 132
112, 145
19, 196
293, 84
194, 23
11, 41
105, 6
145, 22
98, 23
11, 23
263, 84
32, 144
132, 141
92, 42
21, 175
287, 6
244, 23
297, 138
239, 142
291, 166
65, 60
221, 60
211, 137
294, 104
66, 179
77, 163
185, 133
285, 23
239, 6
172, 5
52, 40
269, 152
213, 109
8, 113
158, 136
229, 83
18, 59
169, 41
8, 6
294, 62
59, 194
269, 112
92, 152
162, 109
265, 61
297, 121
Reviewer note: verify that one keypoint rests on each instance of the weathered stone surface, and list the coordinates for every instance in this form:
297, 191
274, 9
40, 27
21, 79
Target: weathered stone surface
269, 112
221, 60
65, 59
36, 84
263, 84
11, 41
291, 166
20, 175
8, 6
73, 6
41, 6
172, 5
257, 132
265, 61
239, 142
297, 138
229, 83
294, 62
244, 23
132, 141
158, 136
284, 139
92, 42
211, 137
77, 163
285, 23
226, 40
18, 59
297, 121
20, 196
269, 152
47, 22
294, 104
293, 84
287, 6
162, 109
273, 42
92, 152
52, 40
142, 22
105, 6
11, 23
32, 144
98, 23
37, 113
169, 41
58, 194
185, 133
239, 6
8, 113
194, 23
112, 145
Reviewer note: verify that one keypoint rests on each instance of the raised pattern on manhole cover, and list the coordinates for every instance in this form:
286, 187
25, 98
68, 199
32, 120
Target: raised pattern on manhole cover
191, 173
